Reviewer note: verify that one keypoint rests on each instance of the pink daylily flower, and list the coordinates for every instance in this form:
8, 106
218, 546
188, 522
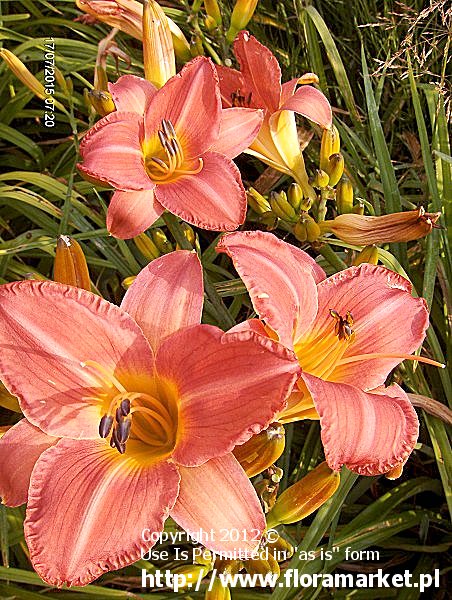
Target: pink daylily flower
131, 414
348, 332
258, 85
171, 149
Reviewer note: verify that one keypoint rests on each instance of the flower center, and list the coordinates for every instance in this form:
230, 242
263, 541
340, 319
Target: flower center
166, 162
137, 422
239, 100
319, 351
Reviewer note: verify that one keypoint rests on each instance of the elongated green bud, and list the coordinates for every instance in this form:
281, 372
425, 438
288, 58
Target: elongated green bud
369, 254
330, 145
335, 168
257, 202
161, 241
146, 246
281, 207
213, 11
295, 196
344, 196
322, 179
306, 229
241, 16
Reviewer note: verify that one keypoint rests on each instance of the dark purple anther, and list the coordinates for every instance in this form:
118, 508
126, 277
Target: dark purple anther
105, 425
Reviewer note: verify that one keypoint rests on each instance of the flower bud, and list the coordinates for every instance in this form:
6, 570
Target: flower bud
257, 202
127, 282
158, 51
281, 207
358, 209
196, 47
70, 264
308, 79
306, 230
146, 246
344, 196
21, 72
395, 227
280, 548
335, 168
262, 450
322, 179
330, 145
7, 400
241, 16
270, 220
189, 235
161, 241
295, 196
213, 11
304, 497
217, 591
369, 254
102, 102
255, 566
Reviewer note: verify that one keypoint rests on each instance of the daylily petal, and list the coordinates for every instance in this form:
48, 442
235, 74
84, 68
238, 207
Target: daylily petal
312, 104
131, 93
88, 508
280, 282
20, 448
166, 296
214, 198
111, 152
387, 320
238, 128
260, 70
368, 433
288, 90
250, 325
47, 331
131, 213
231, 81
230, 386
191, 101
233, 509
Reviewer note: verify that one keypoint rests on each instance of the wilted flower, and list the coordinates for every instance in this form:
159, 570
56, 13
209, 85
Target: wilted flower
395, 227
131, 414
171, 148
348, 332
258, 85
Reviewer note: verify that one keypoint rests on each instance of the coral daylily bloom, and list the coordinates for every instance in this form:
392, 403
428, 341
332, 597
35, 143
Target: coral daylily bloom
171, 148
131, 414
258, 85
348, 332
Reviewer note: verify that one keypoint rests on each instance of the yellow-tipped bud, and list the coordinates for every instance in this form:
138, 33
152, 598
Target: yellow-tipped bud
213, 11
308, 79
358, 209
396, 227
22, 73
306, 229
217, 591
161, 241
127, 282
158, 51
70, 264
280, 548
344, 196
189, 235
331, 144
262, 450
102, 102
262, 566
7, 400
369, 254
257, 202
295, 196
241, 16
304, 497
335, 168
146, 246
322, 179
281, 207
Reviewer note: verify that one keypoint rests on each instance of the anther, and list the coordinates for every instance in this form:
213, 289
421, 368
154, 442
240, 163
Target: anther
105, 425
123, 430
125, 407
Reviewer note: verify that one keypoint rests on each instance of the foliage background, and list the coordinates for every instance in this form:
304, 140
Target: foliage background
385, 67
